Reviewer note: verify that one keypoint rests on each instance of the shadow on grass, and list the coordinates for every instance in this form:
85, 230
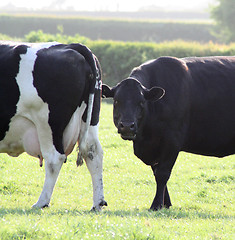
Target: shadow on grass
173, 213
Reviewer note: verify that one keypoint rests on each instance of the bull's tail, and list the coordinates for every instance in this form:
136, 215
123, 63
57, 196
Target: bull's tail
90, 58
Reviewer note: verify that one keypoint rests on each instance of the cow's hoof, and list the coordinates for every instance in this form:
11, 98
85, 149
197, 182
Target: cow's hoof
100, 206
36, 205
103, 203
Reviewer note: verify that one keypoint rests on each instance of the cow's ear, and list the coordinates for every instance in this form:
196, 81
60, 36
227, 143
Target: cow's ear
107, 92
154, 94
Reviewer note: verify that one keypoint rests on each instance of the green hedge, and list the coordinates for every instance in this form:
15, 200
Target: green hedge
119, 58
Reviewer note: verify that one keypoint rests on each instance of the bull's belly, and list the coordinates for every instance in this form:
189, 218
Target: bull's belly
213, 151
219, 146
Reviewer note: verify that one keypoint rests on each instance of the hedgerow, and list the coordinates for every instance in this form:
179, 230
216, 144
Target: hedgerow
119, 58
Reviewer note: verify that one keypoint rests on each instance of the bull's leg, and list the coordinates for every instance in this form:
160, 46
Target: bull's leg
162, 172
167, 200
94, 161
161, 180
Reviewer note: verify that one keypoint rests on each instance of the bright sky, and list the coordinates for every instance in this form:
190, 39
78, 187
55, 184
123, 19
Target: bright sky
113, 5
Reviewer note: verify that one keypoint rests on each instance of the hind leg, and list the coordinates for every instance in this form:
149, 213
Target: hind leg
94, 160
53, 160
53, 164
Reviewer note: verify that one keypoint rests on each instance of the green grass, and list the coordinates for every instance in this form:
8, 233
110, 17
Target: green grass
201, 189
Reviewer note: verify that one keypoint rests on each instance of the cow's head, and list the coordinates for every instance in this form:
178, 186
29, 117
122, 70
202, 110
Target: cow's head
130, 104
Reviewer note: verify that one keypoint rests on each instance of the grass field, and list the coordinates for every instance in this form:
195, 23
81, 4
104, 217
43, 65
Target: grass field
201, 189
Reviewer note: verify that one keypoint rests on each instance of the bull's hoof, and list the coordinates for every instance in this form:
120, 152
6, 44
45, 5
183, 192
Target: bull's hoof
100, 206
156, 208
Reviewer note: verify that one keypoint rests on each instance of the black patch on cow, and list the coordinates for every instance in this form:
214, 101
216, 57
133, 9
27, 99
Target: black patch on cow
9, 90
61, 77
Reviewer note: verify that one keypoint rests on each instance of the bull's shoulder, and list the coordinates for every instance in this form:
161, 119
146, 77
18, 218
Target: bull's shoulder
165, 68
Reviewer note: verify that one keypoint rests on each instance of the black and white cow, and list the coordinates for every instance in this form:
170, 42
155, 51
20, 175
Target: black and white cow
49, 100
170, 105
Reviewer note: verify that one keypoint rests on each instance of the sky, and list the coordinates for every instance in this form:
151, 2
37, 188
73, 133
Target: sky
111, 5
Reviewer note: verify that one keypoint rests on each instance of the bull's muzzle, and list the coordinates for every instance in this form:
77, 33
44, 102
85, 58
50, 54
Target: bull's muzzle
127, 130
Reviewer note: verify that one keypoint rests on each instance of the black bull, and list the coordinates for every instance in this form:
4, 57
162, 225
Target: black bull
170, 105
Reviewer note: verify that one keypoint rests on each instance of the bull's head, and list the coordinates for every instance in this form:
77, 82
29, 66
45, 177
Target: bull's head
130, 104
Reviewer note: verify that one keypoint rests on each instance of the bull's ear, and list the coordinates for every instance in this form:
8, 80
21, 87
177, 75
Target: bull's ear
107, 92
154, 94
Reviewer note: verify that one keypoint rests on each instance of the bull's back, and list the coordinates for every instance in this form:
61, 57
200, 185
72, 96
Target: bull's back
211, 128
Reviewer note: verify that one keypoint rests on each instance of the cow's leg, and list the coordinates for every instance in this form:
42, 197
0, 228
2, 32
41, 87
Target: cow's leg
53, 163
53, 160
93, 156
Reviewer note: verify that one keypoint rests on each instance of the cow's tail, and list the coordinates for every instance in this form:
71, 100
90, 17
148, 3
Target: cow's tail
91, 59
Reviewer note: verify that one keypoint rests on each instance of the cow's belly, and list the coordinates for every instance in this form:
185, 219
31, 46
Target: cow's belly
21, 137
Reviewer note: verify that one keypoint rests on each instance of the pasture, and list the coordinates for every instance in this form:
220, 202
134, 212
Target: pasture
201, 189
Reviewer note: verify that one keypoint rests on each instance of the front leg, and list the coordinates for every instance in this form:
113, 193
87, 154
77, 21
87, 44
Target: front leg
162, 172
162, 198
161, 180
167, 200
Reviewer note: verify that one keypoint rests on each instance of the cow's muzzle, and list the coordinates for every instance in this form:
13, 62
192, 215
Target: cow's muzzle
127, 130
